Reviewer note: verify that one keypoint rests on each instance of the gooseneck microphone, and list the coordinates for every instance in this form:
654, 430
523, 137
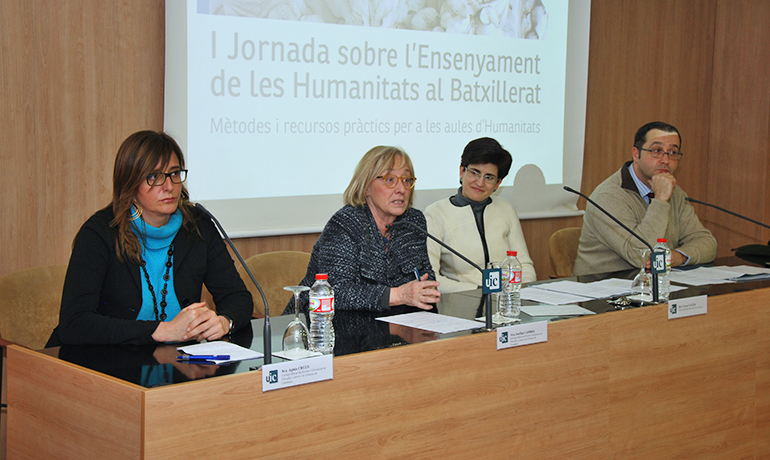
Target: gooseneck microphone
488, 312
655, 294
693, 200
751, 252
266, 334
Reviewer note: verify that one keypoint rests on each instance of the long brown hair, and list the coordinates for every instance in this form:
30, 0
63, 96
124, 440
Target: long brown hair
138, 156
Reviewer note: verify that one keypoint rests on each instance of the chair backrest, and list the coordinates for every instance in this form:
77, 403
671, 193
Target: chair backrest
29, 304
273, 271
563, 247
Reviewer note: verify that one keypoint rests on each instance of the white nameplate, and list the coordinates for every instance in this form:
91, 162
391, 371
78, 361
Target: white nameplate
300, 372
691, 306
522, 334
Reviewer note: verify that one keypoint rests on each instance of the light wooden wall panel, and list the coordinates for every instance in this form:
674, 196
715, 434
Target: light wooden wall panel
740, 119
649, 60
20, 181
79, 76
99, 70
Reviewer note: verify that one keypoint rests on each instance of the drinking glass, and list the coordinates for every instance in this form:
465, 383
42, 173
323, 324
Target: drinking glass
295, 336
641, 286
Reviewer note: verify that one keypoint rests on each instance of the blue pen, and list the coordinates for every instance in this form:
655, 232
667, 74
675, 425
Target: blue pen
203, 357
417, 274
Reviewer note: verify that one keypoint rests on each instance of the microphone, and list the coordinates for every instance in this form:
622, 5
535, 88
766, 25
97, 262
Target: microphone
266, 334
655, 294
425, 232
757, 253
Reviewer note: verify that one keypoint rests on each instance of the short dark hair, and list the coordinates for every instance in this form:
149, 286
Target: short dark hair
487, 150
641, 134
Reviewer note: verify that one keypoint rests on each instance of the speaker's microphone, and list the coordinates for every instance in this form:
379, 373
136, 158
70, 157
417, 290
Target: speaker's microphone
467, 260
655, 295
267, 344
750, 252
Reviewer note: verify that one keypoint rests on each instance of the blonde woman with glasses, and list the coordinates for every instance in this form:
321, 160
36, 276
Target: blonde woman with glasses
372, 264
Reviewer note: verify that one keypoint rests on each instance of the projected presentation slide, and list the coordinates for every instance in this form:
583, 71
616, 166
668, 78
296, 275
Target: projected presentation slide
283, 97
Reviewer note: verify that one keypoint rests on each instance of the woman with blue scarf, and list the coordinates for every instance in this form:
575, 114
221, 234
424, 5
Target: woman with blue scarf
138, 266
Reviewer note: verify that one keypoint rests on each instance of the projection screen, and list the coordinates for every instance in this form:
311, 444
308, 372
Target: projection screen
275, 101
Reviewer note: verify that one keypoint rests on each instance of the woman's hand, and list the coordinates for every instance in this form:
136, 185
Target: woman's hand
420, 294
196, 322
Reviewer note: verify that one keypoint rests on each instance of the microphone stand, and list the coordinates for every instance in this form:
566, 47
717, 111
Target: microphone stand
488, 309
267, 344
755, 253
655, 293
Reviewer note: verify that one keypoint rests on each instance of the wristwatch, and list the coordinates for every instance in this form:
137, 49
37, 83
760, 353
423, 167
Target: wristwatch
230, 330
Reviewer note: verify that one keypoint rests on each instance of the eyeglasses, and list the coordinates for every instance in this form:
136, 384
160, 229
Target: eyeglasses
476, 175
158, 178
658, 153
391, 180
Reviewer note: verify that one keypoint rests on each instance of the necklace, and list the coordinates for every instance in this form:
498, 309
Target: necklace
164, 291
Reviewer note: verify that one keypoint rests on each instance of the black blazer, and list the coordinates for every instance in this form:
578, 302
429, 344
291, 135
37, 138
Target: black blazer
102, 296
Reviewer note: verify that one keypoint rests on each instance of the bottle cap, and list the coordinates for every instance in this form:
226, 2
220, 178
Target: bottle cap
512, 253
661, 240
321, 276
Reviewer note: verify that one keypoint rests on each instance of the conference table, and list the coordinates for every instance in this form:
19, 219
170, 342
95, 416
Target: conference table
617, 384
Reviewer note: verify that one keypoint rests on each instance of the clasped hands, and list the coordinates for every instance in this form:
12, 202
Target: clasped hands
194, 322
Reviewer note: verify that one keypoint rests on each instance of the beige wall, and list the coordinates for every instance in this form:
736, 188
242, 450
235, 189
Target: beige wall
79, 76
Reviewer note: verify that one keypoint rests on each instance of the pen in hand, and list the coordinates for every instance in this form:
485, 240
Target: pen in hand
416, 274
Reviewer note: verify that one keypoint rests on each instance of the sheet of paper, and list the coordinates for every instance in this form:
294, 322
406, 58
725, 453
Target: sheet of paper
296, 353
551, 297
555, 310
596, 290
431, 322
613, 287
748, 273
219, 347
702, 276
571, 287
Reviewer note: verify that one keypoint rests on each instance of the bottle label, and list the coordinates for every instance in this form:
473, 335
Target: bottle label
322, 304
516, 278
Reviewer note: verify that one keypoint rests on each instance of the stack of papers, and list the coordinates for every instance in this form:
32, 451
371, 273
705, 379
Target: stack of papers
702, 276
569, 292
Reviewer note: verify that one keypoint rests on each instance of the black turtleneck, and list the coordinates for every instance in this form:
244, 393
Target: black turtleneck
478, 207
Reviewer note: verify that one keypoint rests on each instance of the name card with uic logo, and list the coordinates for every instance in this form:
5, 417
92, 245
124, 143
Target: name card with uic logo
690, 306
522, 334
300, 372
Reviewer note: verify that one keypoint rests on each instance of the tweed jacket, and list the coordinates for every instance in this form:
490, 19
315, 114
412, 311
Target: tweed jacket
362, 265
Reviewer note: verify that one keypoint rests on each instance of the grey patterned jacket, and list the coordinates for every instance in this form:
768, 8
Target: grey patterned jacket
361, 264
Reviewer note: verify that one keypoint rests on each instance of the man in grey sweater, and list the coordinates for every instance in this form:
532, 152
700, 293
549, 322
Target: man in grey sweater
644, 196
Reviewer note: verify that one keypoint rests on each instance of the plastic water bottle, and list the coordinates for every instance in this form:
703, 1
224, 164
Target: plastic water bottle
663, 278
510, 298
321, 334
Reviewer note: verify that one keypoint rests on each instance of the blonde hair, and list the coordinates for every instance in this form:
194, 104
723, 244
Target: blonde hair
375, 162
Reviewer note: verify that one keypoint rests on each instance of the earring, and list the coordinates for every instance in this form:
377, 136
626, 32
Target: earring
136, 212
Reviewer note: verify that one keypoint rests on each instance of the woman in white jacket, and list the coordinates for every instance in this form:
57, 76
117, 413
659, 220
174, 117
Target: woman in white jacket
472, 222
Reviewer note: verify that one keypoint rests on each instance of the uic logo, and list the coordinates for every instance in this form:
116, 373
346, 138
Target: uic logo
272, 376
504, 337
